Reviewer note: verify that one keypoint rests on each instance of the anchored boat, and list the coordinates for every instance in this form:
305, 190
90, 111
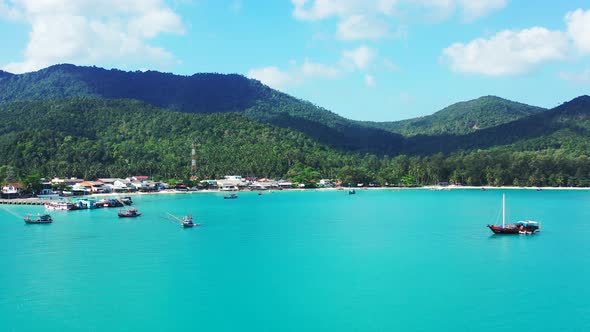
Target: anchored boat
186, 221
129, 213
39, 219
519, 227
61, 206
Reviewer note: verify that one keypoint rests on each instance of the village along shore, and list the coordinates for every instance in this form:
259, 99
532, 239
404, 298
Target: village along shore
17, 200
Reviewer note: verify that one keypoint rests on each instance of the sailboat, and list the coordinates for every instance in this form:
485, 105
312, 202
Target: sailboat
519, 227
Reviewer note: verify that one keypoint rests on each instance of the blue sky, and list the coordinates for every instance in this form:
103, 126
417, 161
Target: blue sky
379, 60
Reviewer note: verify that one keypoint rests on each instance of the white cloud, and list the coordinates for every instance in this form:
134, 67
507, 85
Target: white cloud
297, 74
7, 12
390, 64
313, 10
370, 81
508, 52
312, 69
273, 77
93, 31
359, 57
578, 28
362, 27
579, 78
474, 9
350, 61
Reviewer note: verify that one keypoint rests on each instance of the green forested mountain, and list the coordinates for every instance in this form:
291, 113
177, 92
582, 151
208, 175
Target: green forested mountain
110, 138
199, 93
462, 118
565, 127
69, 121
93, 137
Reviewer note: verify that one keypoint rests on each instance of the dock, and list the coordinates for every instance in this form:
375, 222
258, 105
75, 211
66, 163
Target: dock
23, 201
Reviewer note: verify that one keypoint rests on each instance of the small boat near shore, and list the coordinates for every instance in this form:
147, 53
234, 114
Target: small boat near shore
38, 219
60, 206
109, 202
126, 200
526, 227
129, 213
230, 196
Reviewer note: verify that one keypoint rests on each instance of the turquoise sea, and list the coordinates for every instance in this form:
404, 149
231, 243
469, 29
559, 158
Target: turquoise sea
380, 260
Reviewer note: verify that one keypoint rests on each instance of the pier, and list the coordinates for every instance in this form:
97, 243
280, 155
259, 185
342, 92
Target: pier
23, 201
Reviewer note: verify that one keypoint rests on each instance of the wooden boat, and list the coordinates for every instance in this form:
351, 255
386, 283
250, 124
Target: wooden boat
351, 192
186, 221
126, 200
129, 213
108, 203
39, 219
519, 227
230, 196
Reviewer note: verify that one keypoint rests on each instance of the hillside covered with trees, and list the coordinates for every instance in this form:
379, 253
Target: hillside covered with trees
462, 118
89, 138
202, 94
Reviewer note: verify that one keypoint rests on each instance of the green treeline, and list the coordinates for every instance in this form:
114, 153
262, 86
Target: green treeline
90, 138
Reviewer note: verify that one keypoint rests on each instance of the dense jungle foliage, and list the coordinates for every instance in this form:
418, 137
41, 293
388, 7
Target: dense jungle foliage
91, 138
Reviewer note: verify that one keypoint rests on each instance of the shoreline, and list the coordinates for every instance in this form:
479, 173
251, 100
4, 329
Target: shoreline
433, 188
217, 191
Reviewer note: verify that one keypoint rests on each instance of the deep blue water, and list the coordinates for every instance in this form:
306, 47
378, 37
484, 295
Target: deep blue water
380, 260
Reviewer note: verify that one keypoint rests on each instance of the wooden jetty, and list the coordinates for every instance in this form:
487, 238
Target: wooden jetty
23, 201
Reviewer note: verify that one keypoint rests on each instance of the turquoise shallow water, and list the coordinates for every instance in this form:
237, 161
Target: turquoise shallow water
381, 260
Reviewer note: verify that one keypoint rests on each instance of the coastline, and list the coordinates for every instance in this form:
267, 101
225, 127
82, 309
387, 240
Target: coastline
217, 191
434, 188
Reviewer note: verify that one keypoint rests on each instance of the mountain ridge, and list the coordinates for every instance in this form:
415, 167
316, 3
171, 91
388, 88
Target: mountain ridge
447, 130
462, 117
199, 93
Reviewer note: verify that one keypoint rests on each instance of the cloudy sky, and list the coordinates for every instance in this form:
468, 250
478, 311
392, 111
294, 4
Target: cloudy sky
363, 59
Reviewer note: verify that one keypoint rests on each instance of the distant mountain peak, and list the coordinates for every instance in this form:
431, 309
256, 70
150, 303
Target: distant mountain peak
579, 104
463, 117
580, 99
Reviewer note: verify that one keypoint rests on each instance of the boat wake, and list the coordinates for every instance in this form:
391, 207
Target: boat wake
12, 213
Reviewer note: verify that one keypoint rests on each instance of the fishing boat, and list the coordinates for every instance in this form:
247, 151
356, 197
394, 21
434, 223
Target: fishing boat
230, 196
126, 200
84, 204
60, 206
108, 202
186, 221
520, 227
351, 192
39, 219
129, 213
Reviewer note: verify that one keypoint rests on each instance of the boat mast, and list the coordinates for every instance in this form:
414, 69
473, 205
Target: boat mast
503, 210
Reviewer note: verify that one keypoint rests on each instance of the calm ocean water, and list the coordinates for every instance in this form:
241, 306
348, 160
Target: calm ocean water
380, 260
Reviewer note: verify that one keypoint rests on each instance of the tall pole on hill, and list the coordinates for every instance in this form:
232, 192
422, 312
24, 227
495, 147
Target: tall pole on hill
194, 160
